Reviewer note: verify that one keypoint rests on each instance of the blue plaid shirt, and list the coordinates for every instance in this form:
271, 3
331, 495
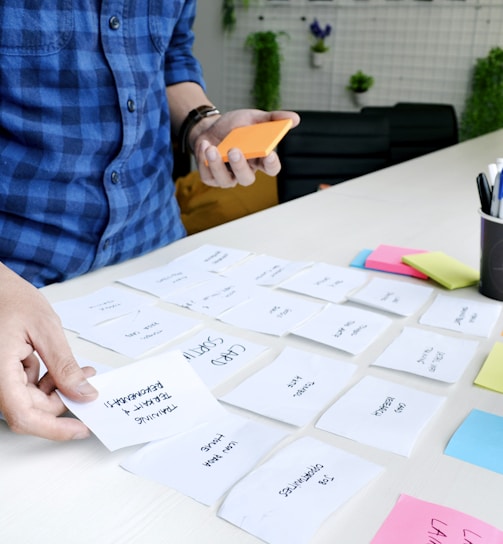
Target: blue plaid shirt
85, 148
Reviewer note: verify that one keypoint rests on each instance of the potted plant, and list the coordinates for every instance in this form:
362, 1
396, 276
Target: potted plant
483, 111
229, 14
267, 60
359, 84
319, 47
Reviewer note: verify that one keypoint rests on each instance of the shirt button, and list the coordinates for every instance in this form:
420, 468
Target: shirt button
131, 105
115, 177
114, 23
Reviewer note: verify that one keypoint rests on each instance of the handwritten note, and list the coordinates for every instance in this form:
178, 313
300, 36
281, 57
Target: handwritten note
294, 387
167, 279
205, 462
345, 328
80, 313
428, 354
287, 498
479, 441
326, 282
271, 312
398, 297
213, 258
462, 315
152, 399
212, 297
216, 355
381, 414
266, 270
490, 375
135, 334
419, 522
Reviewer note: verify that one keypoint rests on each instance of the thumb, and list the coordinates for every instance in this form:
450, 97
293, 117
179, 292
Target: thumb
67, 376
63, 371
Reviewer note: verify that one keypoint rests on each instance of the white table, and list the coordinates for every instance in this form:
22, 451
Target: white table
76, 492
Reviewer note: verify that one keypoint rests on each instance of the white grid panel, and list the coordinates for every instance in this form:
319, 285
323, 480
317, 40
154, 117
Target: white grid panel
417, 50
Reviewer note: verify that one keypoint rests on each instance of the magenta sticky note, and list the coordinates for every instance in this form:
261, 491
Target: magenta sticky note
389, 259
419, 522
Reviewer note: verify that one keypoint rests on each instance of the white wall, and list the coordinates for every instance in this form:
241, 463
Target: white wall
417, 50
208, 46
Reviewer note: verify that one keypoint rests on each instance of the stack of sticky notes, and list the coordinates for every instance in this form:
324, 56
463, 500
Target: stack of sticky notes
418, 263
443, 269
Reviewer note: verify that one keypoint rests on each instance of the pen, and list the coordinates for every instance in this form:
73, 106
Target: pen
484, 193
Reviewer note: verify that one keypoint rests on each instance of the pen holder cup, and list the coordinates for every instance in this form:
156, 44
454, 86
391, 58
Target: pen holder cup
491, 256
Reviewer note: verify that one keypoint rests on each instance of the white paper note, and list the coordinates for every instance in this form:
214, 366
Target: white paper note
167, 279
383, 414
345, 328
428, 354
80, 313
286, 499
266, 270
462, 315
135, 334
212, 297
271, 312
398, 297
216, 355
293, 388
205, 462
148, 400
326, 282
213, 258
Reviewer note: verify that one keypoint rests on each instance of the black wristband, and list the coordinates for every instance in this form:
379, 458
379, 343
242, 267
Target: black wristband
194, 116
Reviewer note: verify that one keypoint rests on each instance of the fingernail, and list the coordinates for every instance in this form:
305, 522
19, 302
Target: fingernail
80, 435
270, 159
234, 155
87, 390
211, 154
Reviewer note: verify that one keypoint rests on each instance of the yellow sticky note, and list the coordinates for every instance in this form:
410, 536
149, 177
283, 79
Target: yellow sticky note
491, 373
444, 269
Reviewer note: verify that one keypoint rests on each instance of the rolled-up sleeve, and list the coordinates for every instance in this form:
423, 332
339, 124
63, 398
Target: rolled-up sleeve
180, 63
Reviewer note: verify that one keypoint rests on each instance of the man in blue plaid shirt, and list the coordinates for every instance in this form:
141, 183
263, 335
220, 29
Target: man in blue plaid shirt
89, 95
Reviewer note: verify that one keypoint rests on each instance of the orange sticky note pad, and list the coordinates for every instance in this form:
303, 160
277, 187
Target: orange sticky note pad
255, 141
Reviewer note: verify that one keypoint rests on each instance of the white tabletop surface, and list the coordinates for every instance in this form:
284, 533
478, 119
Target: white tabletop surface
76, 492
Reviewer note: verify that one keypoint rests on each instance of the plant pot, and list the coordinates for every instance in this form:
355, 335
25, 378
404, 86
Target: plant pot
317, 59
360, 99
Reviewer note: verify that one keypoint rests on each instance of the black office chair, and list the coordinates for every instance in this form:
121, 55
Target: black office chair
417, 128
329, 148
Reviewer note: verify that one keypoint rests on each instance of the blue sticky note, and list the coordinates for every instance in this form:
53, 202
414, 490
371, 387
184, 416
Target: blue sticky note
359, 260
479, 440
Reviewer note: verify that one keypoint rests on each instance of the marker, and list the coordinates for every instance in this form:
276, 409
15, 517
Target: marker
493, 172
500, 196
495, 200
484, 193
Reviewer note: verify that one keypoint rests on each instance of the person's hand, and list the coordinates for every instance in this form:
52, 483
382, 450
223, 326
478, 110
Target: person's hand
29, 324
239, 170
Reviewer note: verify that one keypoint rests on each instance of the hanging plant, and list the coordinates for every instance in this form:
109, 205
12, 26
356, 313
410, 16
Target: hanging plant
267, 61
229, 14
483, 111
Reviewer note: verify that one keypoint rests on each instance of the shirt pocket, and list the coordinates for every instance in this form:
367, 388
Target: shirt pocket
162, 18
34, 28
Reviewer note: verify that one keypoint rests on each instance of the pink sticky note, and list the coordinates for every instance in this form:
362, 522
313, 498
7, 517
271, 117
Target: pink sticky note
389, 259
416, 522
